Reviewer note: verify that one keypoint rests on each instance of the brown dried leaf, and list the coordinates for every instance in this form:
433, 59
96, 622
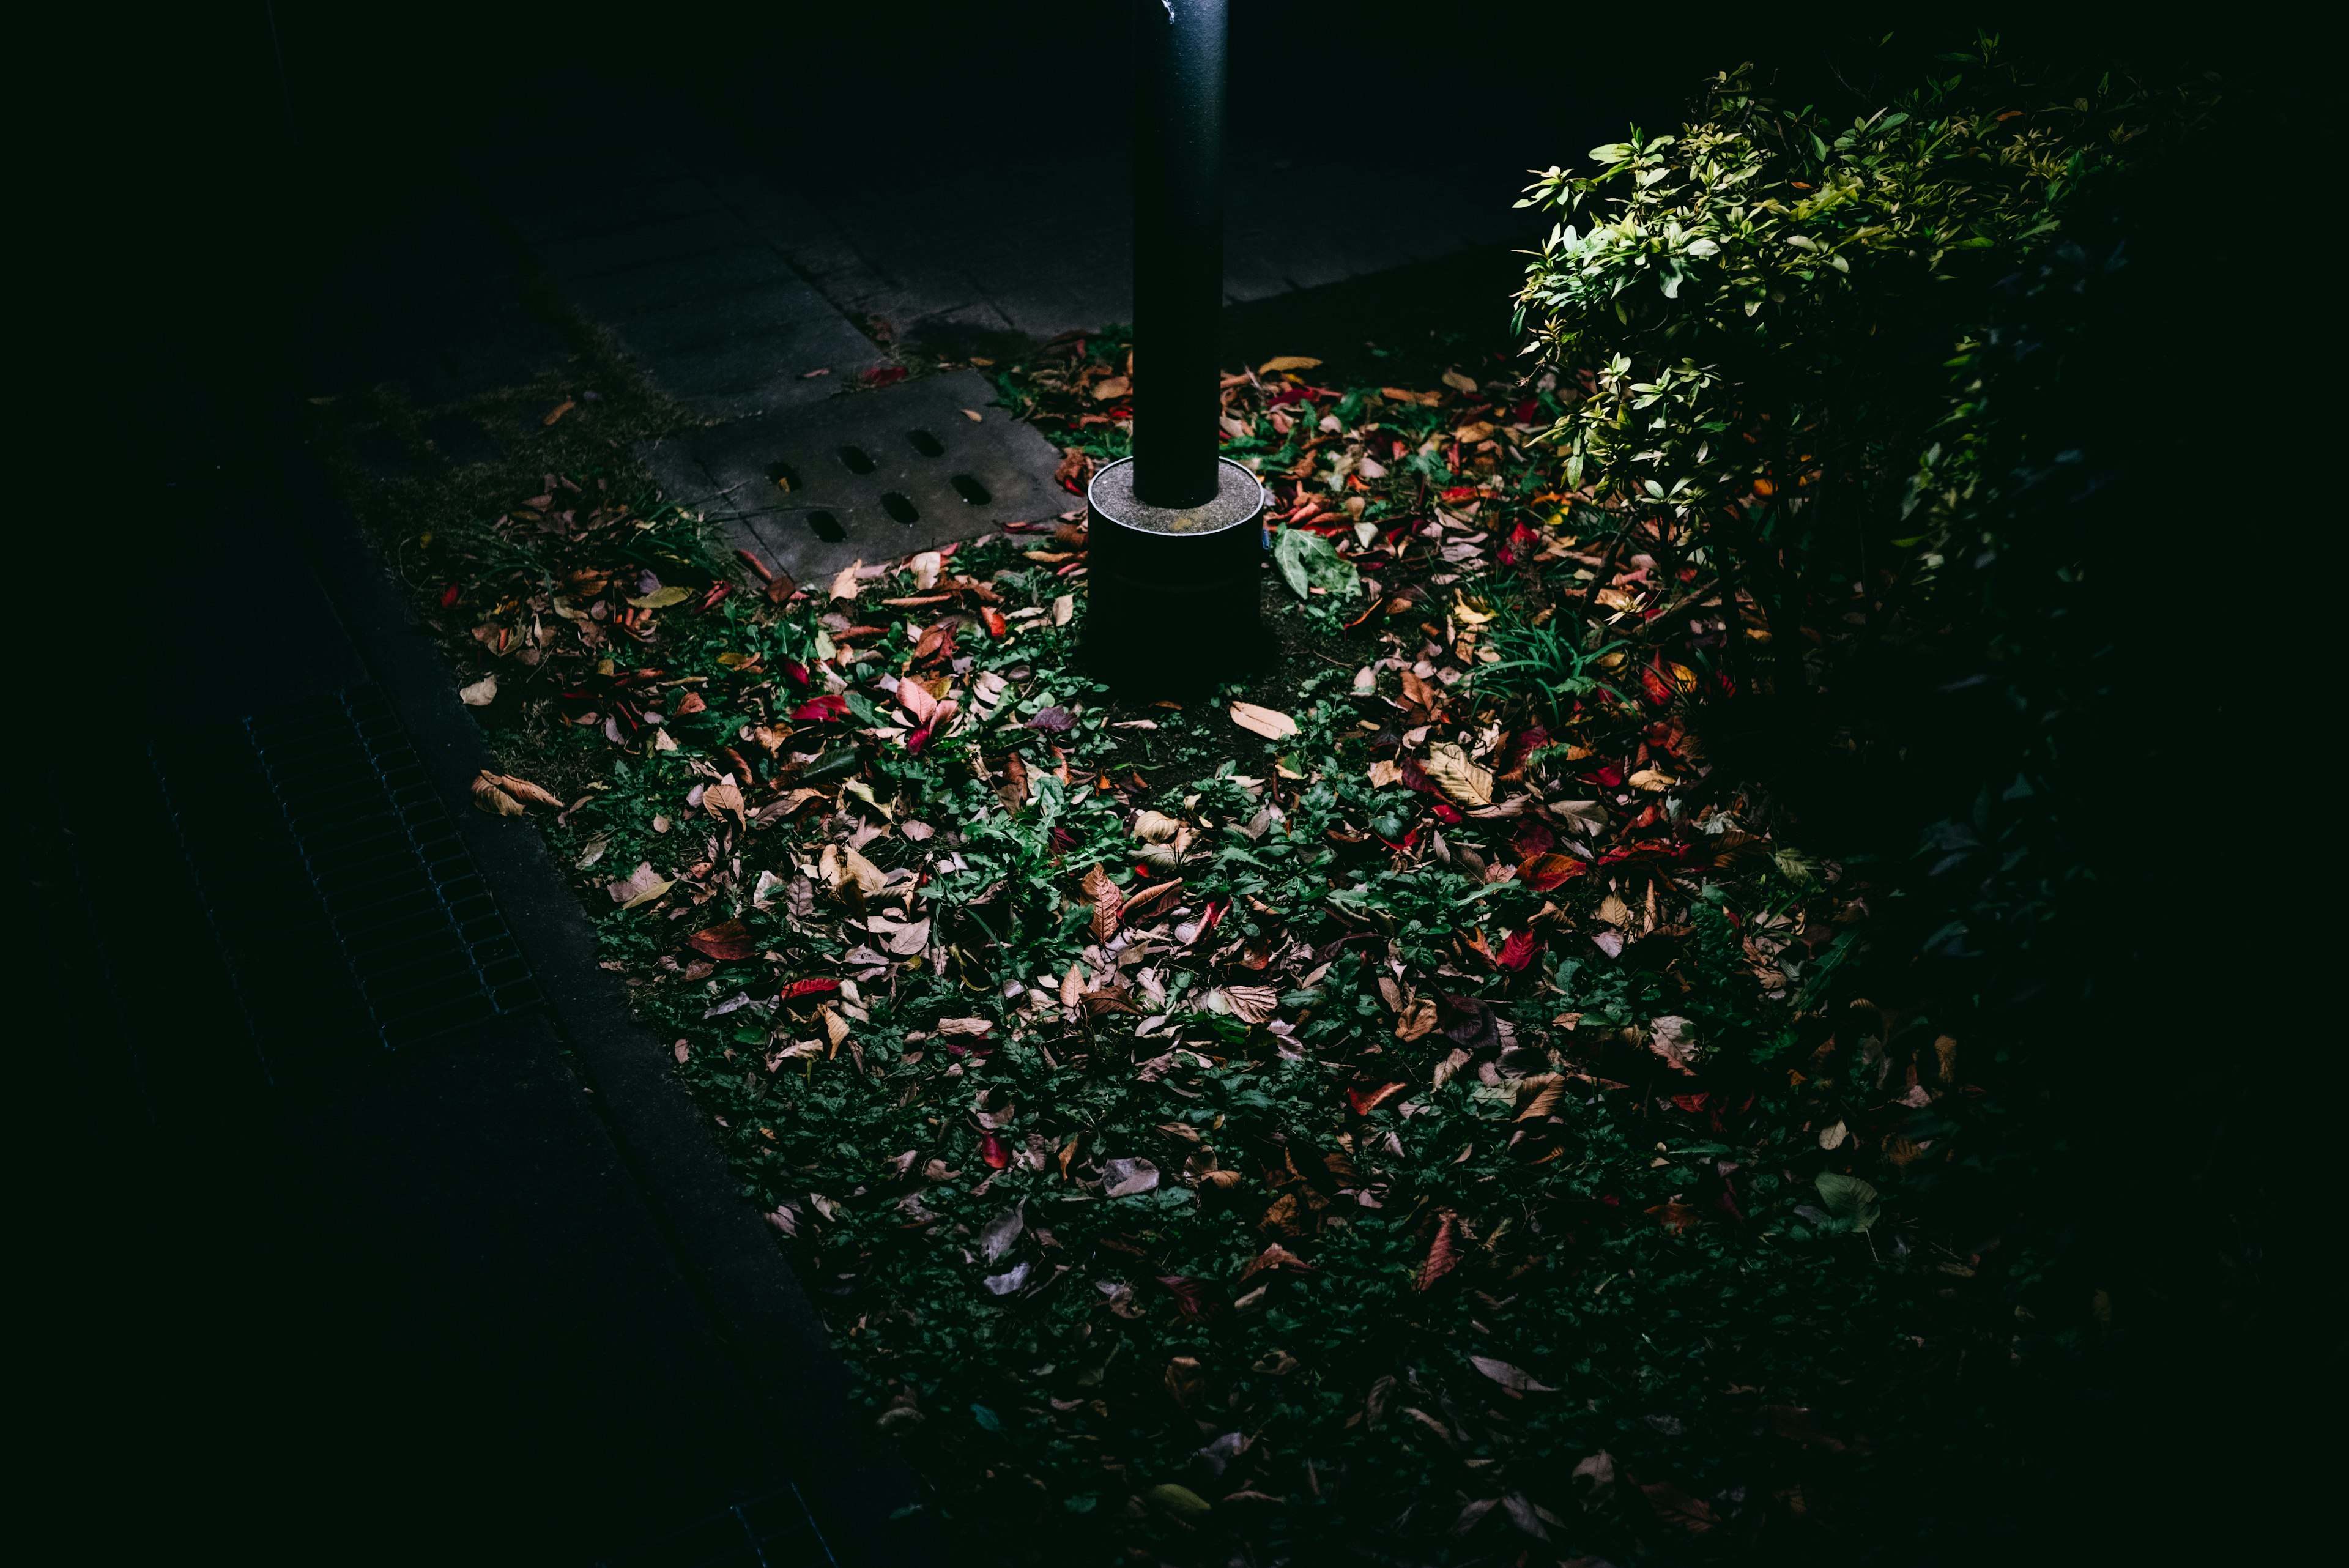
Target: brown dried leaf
1468, 783
1539, 1093
1256, 1004
1270, 722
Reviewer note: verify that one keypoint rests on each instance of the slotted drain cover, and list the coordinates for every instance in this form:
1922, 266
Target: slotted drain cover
341, 899
424, 940
867, 477
773, 1530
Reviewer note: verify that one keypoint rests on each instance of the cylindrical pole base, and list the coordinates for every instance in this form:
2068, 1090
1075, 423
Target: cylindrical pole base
1173, 593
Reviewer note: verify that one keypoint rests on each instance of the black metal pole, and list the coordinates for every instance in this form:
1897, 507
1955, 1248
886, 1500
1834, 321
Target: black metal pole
1178, 247
1177, 563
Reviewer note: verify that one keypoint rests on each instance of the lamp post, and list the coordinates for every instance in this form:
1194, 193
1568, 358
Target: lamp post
1176, 552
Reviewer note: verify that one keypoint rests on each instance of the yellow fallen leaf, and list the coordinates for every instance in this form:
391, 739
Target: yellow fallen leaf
1286, 362
1109, 388
1654, 779
925, 567
1064, 608
1458, 383
1462, 780
1385, 773
661, 598
1270, 722
481, 693
1467, 615
845, 584
973, 416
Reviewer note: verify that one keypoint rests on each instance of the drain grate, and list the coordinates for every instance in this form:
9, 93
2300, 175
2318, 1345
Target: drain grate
773, 1530
870, 477
416, 924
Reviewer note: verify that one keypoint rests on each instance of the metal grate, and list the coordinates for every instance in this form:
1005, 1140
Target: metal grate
773, 1530
868, 477
417, 925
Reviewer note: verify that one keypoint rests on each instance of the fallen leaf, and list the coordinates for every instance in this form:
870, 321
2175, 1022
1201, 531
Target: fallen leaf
1179, 1501
1125, 1178
1064, 609
1465, 782
555, 413
1509, 1377
1546, 1090
727, 942
1674, 1039
845, 584
493, 800
1269, 723
1458, 383
1256, 1004
1417, 1023
639, 885
1274, 1256
661, 598
481, 693
1155, 828
1677, 1508
1443, 1256
724, 798
1847, 1197
1286, 362
1364, 1103
1583, 816
1544, 872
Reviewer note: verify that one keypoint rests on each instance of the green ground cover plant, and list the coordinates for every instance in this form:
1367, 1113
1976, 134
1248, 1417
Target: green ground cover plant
1430, 1102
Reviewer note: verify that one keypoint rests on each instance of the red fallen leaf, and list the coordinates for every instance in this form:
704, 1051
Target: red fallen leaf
1518, 950
716, 592
884, 376
1526, 412
916, 740
1460, 493
1677, 1508
1659, 691
1534, 839
1606, 776
758, 567
1365, 1103
792, 671
1690, 1102
691, 702
1273, 1256
1445, 810
994, 1150
1674, 1215
995, 625
728, 941
449, 595
1443, 1255
830, 706
1190, 1295
813, 986
1544, 872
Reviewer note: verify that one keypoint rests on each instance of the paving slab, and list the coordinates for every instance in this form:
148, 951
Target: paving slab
921, 473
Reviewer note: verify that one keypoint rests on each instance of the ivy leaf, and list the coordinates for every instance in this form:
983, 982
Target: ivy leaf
1848, 1199
1308, 561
